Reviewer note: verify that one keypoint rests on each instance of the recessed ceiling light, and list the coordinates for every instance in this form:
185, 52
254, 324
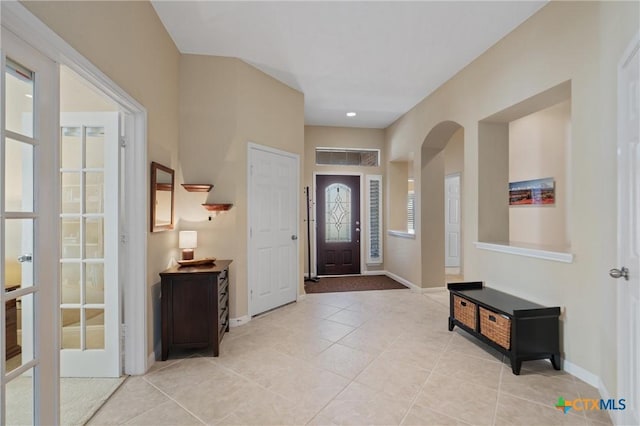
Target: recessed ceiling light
351, 114
28, 95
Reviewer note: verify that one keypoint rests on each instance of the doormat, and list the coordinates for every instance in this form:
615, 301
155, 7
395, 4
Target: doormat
353, 283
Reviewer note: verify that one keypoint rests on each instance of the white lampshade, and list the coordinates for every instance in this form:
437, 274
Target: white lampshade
188, 239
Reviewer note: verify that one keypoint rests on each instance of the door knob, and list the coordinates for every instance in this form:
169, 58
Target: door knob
294, 237
619, 273
25, 258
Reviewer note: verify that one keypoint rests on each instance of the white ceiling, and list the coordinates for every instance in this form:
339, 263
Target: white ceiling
378, 59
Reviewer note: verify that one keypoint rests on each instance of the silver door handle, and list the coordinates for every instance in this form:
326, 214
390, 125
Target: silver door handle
619, 273
294, 237
25, 258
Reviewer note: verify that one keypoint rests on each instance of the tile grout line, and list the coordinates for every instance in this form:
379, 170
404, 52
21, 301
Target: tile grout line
537, 402
435, 410
495, 411
95, 413
351, 380
271, 391
143, 377
171, 399
354, 379
415, 397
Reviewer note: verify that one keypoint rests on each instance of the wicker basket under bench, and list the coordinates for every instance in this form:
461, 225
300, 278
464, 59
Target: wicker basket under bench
520, 329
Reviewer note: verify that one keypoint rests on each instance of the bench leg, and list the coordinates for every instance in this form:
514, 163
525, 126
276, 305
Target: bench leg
555, 361
516, 364
451, 325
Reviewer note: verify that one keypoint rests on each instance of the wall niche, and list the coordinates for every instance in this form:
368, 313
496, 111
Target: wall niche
529, 140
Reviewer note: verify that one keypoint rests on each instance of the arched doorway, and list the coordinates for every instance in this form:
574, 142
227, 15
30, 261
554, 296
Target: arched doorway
441, 154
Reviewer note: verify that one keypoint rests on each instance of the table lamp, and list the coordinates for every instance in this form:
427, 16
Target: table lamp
187, 241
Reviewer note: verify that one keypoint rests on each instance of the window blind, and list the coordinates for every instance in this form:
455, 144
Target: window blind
374, 215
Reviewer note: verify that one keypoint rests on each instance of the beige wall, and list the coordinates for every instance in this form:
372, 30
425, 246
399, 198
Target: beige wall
77, 95
398, 175
341, 137
454, 154
577, 41
431, 216
538, 148
493, 182
127, 41
224, 104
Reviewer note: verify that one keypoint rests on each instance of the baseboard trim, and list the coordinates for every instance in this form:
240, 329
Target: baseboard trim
581, 373
237, 322
406, 282
375, 273
434, 289
616, 417
151, 359
301, 296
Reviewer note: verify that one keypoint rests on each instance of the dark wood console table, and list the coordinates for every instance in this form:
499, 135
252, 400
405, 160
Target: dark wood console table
195, 306
520, 329
11, 325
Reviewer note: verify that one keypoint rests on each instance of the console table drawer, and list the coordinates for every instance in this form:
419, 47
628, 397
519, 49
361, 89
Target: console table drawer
495, 327
465, 311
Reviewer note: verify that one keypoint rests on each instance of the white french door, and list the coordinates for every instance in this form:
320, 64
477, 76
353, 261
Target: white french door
273, 258
628, 275
28, 227
89, 222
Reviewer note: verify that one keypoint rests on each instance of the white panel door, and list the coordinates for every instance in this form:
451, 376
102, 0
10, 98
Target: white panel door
629, 235
452, 221
273, 228
89, 219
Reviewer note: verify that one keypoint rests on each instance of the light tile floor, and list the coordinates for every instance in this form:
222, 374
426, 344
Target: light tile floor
377, 357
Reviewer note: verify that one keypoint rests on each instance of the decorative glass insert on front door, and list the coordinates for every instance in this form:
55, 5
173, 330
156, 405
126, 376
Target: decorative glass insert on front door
338, 213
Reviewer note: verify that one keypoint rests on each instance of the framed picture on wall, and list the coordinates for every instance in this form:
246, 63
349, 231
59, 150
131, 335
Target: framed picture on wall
532, 192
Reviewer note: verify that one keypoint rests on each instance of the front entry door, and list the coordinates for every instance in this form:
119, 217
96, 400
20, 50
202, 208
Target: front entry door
273, 228
338, 222
628, 274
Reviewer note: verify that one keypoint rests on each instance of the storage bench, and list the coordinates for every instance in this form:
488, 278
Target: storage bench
520, 329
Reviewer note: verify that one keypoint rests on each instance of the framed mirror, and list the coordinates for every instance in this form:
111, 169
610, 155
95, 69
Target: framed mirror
162, 190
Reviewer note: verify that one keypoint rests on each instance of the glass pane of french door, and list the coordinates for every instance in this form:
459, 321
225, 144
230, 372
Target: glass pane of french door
17, 228
29, 235
89, 308
82, 244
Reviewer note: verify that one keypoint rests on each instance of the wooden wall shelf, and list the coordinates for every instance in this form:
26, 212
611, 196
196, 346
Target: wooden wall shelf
217, 207
197, 187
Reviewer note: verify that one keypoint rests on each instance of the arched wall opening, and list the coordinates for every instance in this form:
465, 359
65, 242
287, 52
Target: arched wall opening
442, 152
